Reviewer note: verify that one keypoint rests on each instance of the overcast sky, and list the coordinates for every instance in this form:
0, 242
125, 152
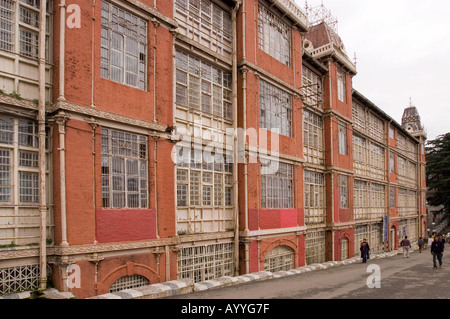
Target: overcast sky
403, 51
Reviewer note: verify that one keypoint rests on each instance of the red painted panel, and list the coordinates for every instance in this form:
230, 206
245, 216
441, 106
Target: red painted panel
118, 225
288, 217
277, 218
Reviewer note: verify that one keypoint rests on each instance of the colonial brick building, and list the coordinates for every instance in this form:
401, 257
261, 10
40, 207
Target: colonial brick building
146, 141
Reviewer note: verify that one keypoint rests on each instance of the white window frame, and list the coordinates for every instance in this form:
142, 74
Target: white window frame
275, 109
312, 87
274, 35
314, 190
313, 137
204, 181
120, 62
205, 262
342, 131
20, 28
202, 86
341, 86
279, 258
315, 243
277, 189
124, 170
343, 191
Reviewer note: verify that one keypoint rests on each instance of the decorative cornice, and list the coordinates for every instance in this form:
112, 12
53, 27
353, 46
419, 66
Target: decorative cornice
99, 114
27, 104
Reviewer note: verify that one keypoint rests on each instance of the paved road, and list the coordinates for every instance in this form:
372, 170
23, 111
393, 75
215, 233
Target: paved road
410, 278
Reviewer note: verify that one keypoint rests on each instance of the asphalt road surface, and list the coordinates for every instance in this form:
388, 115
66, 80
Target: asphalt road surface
385, 278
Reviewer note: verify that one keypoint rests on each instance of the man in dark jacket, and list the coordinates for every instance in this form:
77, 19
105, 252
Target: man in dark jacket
437, 249
365, 250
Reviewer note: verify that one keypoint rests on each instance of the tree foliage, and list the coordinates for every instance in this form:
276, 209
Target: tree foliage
438, 171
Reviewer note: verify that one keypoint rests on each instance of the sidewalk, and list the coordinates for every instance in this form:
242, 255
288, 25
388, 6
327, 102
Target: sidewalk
178, 287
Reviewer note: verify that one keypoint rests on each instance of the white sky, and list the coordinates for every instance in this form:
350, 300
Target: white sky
403, 50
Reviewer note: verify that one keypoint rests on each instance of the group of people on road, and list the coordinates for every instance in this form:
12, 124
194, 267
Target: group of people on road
437, 249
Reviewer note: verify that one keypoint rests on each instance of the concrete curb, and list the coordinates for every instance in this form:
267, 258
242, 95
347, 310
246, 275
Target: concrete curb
178, 287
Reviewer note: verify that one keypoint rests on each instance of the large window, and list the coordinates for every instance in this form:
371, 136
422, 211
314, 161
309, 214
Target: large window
278, 259
124, 170
277, 185
123, 47
274, 35
341, 86
27, 151
313, 146
22, 18
342, 138
275, 109
204, 179
315, 247
315, 210
206, 262
312, 86
202, 86
19, 182
343, 191
206, 23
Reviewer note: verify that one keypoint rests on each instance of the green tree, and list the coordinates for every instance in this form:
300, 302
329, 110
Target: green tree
438, 171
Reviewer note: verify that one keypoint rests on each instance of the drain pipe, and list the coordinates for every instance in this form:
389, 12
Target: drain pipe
235, 145
62, 41
42, 160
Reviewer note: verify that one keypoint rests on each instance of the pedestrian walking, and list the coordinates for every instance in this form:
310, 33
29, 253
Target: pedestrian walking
365, 250
420, 243
437, 249
406, 244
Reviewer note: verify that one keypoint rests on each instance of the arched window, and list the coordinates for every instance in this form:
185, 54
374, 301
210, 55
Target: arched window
279, 258
127, 282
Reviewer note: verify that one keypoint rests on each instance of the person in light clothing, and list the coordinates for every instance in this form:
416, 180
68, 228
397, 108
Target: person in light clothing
406, 244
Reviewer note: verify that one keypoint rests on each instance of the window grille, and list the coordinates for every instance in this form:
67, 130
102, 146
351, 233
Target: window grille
205, 22
18, 279
277, 188
377, 200
359, 116
315, 247
278, 259
312, 87
341, 86
128, 282
407, 202
124, 170
275, 109
343, 191
375, 127
200, 263
274, 35
210, 179
201, 86
123, 47
313, 145
314, 190
360, 201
